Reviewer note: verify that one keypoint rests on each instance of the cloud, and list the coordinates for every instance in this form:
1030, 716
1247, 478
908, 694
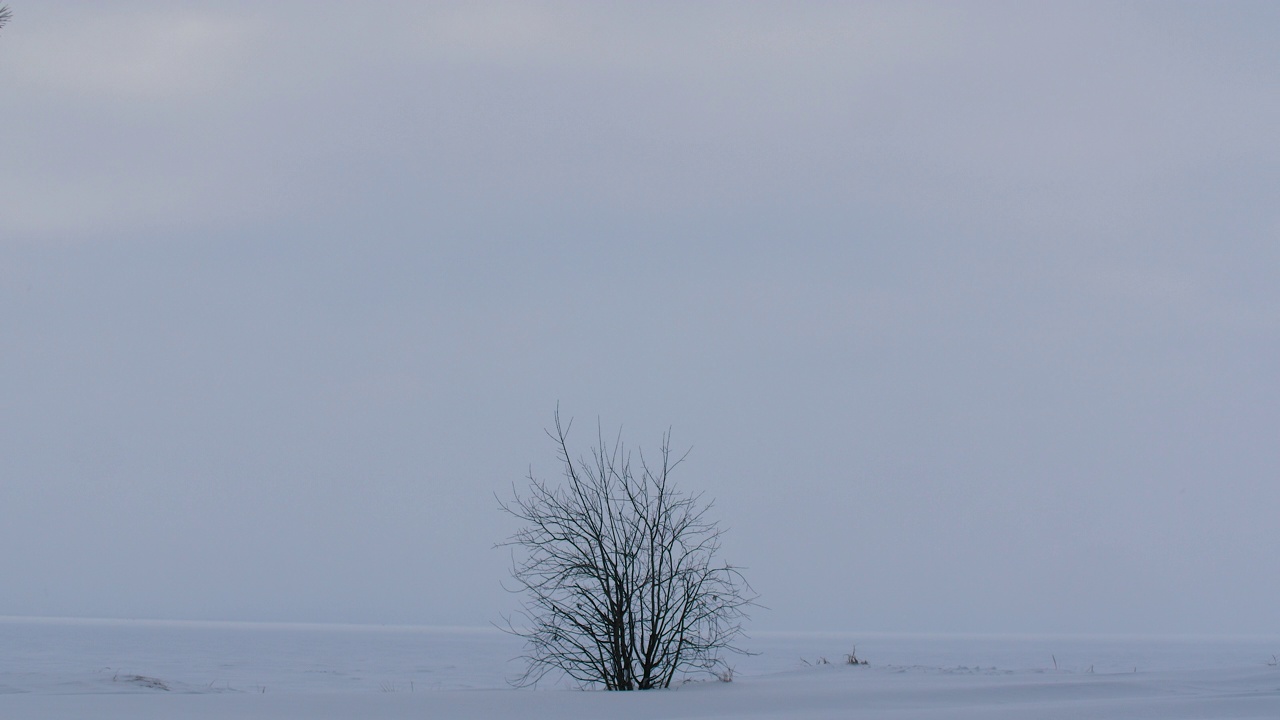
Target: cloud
123, 54
110, 109
50, 206
679, 40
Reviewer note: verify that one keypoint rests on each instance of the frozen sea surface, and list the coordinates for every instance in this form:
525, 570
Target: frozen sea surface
60, 668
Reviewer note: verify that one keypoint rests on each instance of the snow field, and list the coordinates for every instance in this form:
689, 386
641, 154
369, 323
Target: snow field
146, 670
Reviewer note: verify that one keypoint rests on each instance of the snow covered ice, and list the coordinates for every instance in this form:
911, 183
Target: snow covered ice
54, 668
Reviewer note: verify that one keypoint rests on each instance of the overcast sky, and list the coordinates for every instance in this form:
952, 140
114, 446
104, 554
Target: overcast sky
970, 312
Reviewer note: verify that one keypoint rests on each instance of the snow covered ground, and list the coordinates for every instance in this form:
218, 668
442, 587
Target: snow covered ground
56, 668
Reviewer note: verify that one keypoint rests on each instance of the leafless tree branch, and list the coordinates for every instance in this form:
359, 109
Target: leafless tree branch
618, 572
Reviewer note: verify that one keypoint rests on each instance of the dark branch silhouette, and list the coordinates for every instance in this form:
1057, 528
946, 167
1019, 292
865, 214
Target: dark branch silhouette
618, 572
5, 15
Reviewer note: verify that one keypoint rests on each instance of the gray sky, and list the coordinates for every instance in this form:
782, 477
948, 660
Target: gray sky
969, 312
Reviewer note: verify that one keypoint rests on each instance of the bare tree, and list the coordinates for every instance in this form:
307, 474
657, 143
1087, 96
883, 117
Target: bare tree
5, 15
618, 573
